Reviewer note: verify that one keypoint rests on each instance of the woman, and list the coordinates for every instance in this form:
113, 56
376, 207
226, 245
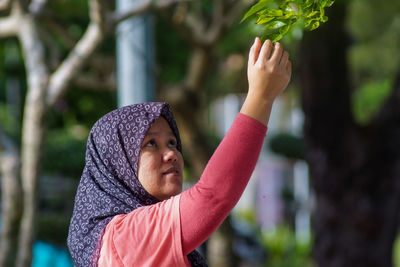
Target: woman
129, 209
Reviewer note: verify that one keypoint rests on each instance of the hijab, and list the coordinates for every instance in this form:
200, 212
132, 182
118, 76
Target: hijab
109, 183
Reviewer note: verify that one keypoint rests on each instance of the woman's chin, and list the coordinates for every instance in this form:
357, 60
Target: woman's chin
173, 191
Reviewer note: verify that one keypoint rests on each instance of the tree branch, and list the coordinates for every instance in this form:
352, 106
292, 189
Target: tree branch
96, 11
176, 21
55, 25
33, 51
195, 25
4, 4
141, 7
36, 7
192, 28
94, 83
74, 62
222, 20
11, 199
188, 25
235, 12
6, 145
218, 11
9, 26
60, 79
33, 131
197, 69
53, 49
102, 63
390, 110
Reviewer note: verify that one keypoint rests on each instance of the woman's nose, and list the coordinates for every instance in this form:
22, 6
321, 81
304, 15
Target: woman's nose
169, 155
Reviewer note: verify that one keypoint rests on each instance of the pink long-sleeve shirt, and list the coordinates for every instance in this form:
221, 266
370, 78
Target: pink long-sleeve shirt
164, 233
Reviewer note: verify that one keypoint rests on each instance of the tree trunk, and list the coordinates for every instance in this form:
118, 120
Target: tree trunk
354, 170
220, 247
10, 201
32, 135
44, 90
186, 101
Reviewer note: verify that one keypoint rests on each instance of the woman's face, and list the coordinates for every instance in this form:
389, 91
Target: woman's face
160, 163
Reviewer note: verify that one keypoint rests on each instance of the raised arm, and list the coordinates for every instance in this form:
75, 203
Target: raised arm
204, 206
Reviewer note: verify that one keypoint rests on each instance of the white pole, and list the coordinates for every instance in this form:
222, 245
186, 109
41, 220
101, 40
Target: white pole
135, 58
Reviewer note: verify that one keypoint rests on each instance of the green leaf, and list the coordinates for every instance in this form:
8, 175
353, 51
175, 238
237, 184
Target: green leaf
322, 12
289, 15
275, 37
272, 12
291, 6
308, 3
314, 25
308, 22
285, 29
281, 17
311, 14
264, 19
262, 4
273, 25
322, 3
330, 3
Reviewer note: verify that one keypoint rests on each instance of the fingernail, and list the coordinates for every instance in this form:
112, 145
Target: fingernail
255, 40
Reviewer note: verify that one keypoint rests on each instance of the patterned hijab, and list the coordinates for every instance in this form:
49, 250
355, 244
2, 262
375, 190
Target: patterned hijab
109, 184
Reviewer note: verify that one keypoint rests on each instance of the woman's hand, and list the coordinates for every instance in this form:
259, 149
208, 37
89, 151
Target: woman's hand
268, 70
268, 73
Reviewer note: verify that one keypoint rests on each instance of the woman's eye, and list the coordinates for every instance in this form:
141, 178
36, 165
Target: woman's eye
151, 143
172, 143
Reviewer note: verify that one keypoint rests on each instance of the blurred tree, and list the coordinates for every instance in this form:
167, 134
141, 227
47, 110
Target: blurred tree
202, 27
354, 168
11, 202
281, 17
63, 49
49, 75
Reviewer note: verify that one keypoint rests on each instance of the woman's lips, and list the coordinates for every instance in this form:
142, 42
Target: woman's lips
172, 170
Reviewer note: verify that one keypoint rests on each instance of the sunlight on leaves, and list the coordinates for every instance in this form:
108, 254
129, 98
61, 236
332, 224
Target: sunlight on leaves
279, 17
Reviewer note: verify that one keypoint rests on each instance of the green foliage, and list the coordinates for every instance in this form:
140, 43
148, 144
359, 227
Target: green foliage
248, 215
396, 252
64, 153
279, 17
287, 145
368, 99
172, 62
9, 124
53, 227
11, 59
373, 55
284, 250
12, 89
374, 29
69, 124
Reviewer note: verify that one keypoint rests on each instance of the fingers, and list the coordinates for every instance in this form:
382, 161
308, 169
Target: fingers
284, 59
289, 68
266, 51
254, 51
277, 54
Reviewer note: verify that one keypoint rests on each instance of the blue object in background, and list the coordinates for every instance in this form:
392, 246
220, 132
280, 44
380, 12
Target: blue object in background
47, 255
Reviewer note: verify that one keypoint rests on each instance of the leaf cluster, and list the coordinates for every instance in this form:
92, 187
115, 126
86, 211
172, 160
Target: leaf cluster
278, 17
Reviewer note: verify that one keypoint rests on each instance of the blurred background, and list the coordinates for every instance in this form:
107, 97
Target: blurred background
326, 189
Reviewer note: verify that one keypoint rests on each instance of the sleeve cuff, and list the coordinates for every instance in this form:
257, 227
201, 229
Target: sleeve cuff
251, 124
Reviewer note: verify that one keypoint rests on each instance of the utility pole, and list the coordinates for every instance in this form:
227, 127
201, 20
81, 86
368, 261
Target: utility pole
135, 57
